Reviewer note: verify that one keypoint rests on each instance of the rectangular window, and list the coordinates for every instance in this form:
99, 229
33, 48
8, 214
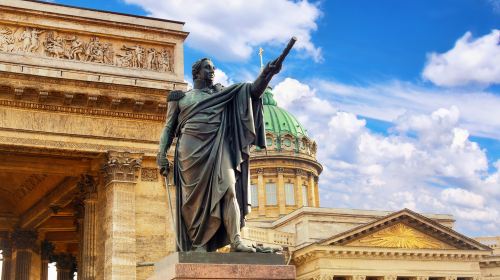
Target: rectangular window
255, 195
271, 194
304, 195
289, 194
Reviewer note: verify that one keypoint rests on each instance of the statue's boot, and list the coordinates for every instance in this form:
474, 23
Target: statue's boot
201, 249
238, 246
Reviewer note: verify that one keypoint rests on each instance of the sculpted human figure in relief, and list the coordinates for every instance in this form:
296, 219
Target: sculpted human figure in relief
215, 127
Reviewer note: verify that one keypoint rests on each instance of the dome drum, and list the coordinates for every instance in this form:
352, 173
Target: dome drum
284, 176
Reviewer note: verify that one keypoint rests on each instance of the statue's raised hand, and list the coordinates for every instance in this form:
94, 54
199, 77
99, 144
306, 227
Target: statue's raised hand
272, 68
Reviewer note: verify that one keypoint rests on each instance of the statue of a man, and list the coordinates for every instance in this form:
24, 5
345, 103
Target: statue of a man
215, 128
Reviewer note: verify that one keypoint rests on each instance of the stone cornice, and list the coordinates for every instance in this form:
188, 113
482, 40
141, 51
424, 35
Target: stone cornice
53, 146
259, 157
82, 111
490, 261
72, 13
316, 251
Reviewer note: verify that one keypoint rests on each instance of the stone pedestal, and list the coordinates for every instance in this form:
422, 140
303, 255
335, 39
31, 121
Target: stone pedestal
190, 265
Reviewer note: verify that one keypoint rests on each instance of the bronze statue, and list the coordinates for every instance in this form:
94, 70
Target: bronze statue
215, 127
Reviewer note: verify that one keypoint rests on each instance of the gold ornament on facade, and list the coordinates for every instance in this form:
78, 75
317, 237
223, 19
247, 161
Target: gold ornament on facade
400, 236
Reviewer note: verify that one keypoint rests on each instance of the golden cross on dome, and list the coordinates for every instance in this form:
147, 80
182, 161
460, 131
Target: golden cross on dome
261, 51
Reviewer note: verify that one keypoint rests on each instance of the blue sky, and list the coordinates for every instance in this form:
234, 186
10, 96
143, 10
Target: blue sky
403, 97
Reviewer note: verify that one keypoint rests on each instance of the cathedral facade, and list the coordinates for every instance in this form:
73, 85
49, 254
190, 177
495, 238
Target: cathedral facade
82, 104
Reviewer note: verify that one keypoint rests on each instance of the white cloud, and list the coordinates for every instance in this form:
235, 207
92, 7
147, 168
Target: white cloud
462, 197
470, 61
426, 163
391, 101
222, 78
232, 29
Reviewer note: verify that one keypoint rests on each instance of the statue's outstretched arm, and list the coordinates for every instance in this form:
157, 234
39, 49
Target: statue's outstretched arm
260, 84
271, 69
167, 136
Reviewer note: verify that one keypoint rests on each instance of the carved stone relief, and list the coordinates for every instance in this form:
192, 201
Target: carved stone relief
72, 47
149, 174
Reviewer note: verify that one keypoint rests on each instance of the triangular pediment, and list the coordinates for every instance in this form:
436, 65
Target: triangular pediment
407, 230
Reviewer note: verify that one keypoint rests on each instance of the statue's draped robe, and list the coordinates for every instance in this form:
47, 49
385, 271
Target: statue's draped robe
212, 153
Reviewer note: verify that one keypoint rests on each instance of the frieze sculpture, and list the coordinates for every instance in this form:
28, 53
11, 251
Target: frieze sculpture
7, 40
72, 47
215, 128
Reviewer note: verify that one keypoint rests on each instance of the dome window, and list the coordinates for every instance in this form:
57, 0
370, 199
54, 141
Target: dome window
271, 196
287, 142
269, 141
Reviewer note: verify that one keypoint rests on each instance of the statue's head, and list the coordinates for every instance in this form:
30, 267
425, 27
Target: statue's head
203, 69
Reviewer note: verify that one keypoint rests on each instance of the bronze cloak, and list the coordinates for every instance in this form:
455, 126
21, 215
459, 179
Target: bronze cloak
212, 152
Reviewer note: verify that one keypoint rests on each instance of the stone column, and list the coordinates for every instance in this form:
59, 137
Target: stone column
121, 173
281, 191
310, 191
316, 190
24, 244
88, 247
262, 192
46, 252
7, 259
79, 210
298, 187
65, 264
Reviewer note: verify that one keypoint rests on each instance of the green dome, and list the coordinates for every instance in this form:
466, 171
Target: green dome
277, 120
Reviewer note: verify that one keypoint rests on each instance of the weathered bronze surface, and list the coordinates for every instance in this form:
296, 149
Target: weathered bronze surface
215, 127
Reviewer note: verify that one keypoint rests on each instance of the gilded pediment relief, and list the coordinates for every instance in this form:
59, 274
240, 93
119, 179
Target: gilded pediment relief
400, 236
84, 48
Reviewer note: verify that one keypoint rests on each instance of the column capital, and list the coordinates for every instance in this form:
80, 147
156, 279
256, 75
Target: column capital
122, 167
280, 170
260, 170
6, 246
24, 239
47, 250
87, 186
65, 262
